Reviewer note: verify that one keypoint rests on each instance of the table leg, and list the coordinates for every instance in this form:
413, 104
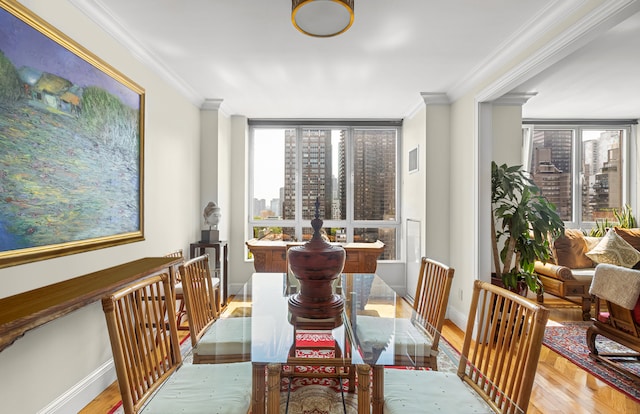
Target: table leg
364, 397
273, 388
258, 389
377, 400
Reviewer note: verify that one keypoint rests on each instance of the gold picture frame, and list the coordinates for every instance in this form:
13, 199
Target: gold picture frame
71, 145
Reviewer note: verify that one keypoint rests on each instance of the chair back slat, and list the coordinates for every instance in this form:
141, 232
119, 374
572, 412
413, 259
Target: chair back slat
175, 253
143, 338
199, 295
432, 296
178, 254
502, 346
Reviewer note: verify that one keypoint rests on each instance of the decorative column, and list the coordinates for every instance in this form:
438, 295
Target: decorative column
506, 126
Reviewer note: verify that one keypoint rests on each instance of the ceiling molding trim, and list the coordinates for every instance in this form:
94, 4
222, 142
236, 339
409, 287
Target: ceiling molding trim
514, 98
414, 109
428, 98
211, 104
586, 29
214, 104
537, 26
100, 15
435, 98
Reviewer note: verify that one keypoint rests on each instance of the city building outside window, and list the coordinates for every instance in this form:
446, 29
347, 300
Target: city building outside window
348, 170
582, 169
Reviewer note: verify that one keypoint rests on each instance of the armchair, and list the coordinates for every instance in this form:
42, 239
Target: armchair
619, 288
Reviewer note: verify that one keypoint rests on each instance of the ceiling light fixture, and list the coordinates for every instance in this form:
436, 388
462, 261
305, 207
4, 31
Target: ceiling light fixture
322, 18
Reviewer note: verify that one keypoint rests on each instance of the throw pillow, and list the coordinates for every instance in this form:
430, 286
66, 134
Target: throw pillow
631, 236
592, 242
613, 249
570, 250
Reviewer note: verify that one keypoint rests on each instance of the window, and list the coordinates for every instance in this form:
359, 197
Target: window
348, 172
582, 169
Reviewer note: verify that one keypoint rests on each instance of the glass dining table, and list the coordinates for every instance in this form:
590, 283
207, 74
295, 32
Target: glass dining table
275, 333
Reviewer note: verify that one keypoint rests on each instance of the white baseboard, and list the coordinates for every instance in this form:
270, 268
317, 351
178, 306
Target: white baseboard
81, 394
458, 318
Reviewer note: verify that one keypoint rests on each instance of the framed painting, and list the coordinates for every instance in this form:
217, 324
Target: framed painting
71, 145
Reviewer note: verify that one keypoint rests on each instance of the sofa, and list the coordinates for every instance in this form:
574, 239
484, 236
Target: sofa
569, 273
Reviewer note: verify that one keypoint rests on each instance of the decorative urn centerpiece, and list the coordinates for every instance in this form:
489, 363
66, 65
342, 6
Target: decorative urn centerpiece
316, 264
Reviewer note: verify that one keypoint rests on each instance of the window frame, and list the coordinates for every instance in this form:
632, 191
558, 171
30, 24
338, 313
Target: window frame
349, 223
627, 163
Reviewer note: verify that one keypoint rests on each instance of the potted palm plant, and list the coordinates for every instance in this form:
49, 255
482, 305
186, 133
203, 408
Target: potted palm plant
524, 224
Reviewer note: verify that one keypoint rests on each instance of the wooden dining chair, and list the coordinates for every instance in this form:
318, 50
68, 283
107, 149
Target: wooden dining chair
181, 312
292, 285
213, 340
497, 366
415, 340
146, 352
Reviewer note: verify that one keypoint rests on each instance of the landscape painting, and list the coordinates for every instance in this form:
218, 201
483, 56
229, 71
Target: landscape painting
71, 145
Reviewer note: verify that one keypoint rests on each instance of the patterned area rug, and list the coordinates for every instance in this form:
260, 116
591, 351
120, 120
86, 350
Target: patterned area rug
569, 340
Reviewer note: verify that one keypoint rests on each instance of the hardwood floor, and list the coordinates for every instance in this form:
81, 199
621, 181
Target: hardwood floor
560, 386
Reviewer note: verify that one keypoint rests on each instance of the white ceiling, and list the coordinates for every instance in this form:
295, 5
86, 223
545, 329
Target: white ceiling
598, 81
247, 53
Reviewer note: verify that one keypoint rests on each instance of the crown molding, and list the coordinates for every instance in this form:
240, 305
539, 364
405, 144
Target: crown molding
214, 104
537, 26
211, 104
428, 98
514, 98
100, 15
435, 98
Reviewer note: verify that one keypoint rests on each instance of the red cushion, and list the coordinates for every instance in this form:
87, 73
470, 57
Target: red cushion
604, 316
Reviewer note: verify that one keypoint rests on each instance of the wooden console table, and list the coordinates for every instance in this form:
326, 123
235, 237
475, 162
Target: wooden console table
270, 256
221, 262
25, 311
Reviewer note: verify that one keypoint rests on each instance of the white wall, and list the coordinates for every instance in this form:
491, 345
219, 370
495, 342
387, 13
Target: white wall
413, 186
209, 155
50, 360
223, 173
507, 134
412, 191
463, 247
240, 268
426, 193
437, 161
